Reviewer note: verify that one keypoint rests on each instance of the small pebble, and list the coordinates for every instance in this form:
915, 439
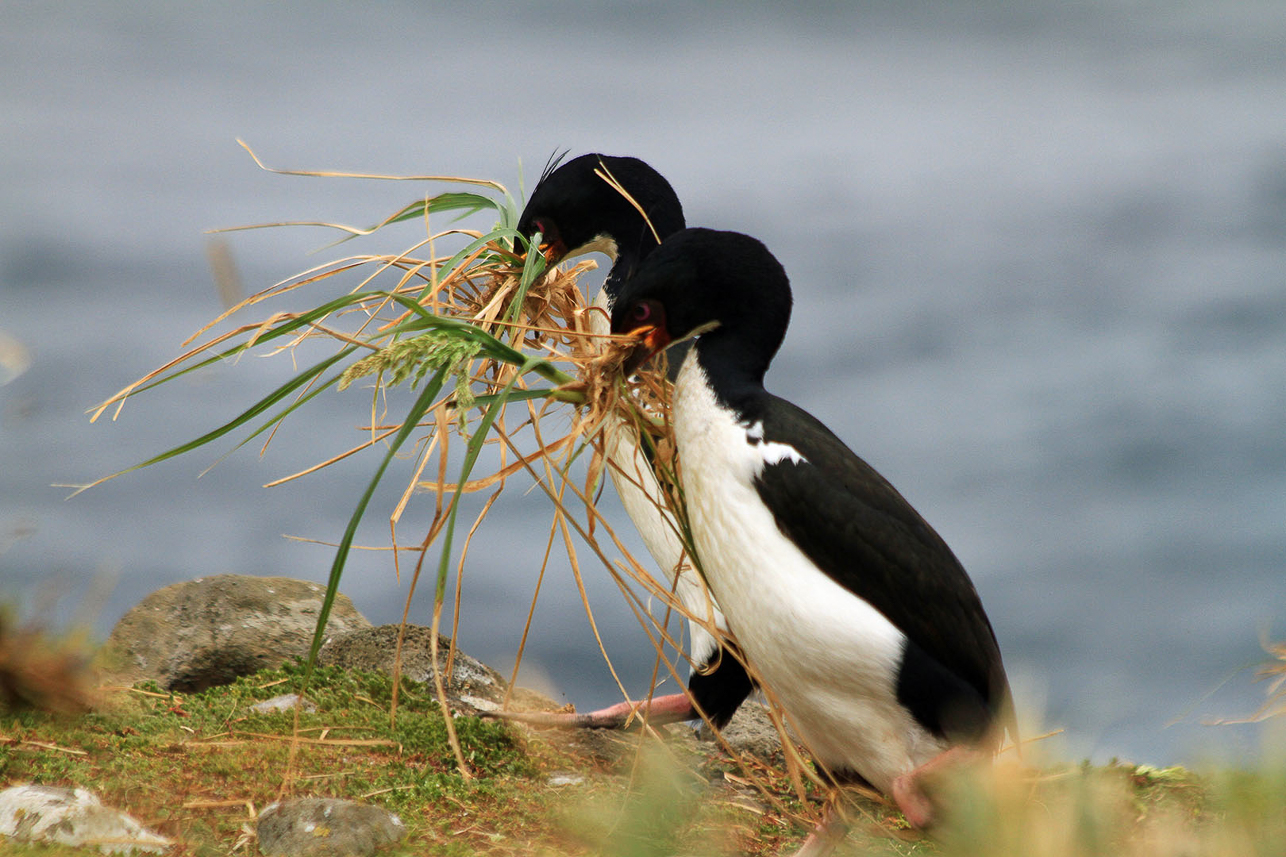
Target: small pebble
326, 827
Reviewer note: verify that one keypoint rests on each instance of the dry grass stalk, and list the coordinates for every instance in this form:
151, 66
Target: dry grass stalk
1272, 671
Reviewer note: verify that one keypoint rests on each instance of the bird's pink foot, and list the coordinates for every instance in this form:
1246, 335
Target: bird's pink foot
908, 790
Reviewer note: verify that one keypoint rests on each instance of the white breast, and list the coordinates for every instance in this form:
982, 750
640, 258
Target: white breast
830, 658
644, 503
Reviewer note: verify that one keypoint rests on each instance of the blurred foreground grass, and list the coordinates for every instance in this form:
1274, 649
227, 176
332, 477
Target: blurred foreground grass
198, 767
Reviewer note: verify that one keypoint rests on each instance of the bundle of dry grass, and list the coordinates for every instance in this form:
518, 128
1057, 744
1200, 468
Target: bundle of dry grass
497, 352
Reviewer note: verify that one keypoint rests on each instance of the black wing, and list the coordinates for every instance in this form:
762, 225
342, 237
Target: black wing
862, 533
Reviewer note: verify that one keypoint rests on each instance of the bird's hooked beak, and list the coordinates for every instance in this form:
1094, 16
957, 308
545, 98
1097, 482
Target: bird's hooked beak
652, 340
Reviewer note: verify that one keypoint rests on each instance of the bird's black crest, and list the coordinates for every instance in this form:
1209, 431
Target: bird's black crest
555, 161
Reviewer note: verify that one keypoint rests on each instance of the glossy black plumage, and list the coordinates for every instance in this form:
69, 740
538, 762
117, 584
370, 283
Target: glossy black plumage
862, 533
576, 204
834, 507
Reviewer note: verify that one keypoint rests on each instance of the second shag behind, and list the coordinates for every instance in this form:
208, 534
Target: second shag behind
623, 208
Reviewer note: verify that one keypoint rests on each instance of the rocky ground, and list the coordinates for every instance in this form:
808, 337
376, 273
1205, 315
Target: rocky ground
232, 642
206, 735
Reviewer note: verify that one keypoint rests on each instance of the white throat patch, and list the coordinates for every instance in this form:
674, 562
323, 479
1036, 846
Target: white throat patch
604, 244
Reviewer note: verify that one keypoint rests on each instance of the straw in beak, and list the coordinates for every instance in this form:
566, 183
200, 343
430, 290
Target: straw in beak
652, 340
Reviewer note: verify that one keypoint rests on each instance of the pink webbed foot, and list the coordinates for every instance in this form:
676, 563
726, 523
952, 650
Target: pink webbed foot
908, 790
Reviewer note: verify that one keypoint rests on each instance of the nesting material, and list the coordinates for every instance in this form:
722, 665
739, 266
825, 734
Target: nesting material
498, 356
501, 353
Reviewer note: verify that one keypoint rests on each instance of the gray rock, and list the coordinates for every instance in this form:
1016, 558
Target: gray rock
751, 731
326, 827
207, 632
75, 817
471, 688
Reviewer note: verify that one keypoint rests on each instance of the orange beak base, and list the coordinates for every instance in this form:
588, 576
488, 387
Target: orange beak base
553, 251
653, 341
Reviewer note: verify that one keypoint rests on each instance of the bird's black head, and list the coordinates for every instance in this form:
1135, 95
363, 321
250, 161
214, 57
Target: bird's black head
577, 206
724, 286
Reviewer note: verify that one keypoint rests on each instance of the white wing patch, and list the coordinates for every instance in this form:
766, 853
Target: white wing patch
772, 451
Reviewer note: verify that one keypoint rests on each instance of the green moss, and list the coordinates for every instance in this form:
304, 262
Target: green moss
192, 766
152, 752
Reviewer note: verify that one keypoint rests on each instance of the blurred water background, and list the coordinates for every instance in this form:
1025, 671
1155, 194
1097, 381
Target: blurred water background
1037, 249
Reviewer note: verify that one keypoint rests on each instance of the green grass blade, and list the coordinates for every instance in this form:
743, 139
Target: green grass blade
289, 409
241, 419
468, 203
570, 396
462, 201
413, 417
471, 456
533, 266
491, 347
509, 212
275, 332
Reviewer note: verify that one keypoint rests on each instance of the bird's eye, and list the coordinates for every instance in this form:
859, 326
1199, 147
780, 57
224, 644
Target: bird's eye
641, 312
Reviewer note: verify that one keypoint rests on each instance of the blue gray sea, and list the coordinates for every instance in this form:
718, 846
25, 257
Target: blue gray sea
1038, 252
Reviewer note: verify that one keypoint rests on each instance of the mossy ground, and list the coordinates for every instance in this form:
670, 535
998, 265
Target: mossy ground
197, 767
